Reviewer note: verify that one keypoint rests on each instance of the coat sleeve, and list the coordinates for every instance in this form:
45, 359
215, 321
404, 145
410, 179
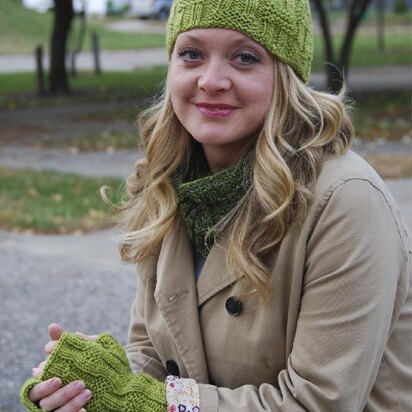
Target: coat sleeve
356, 281
139, 349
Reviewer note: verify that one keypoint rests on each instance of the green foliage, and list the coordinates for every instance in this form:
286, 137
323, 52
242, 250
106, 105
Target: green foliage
400, 6
52, 202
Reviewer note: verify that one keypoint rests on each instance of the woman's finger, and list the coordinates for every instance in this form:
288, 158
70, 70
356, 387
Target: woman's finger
44, 389
77, 402
50, 346
37, 371
55, 331
88, 337
63, 396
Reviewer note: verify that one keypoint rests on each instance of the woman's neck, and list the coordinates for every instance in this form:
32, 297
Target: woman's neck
220, 157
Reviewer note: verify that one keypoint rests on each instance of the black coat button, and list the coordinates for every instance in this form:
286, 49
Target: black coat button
172, 368
233, 306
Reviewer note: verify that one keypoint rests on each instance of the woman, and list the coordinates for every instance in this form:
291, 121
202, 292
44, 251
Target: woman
273, 264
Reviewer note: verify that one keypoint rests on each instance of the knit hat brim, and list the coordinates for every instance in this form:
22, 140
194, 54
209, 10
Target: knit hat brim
284, 28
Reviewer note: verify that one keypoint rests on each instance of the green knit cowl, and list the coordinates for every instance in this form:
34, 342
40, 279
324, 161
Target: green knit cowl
204, 200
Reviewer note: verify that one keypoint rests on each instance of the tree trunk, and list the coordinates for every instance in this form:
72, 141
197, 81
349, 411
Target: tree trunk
337, 68
357, 11
63, 16
333, 73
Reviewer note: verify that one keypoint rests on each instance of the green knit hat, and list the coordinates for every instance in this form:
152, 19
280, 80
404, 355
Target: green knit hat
283, 27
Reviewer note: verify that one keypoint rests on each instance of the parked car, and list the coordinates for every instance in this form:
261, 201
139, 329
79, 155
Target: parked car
145, 9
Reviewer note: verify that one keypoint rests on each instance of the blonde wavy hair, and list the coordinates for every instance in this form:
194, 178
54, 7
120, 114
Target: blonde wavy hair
302, 128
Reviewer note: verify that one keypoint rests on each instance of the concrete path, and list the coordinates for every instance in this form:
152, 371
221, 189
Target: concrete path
393, 77
110, 60
116, 164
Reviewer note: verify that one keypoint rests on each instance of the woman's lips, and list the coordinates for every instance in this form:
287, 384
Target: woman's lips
215, 110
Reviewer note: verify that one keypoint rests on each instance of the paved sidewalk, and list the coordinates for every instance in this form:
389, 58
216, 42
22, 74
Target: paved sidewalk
122, 60
77, 281
382, 78
116, 164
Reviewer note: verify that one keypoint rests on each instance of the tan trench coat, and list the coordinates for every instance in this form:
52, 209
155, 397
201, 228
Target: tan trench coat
336, 334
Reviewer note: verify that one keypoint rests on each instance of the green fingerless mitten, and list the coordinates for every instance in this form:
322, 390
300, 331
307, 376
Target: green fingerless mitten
102, 365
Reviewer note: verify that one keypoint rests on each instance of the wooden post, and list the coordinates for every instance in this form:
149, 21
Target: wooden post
39, 70
96, 53
380, 24
73, 70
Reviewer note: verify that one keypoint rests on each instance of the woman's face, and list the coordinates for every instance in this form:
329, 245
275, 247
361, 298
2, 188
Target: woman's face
221, 87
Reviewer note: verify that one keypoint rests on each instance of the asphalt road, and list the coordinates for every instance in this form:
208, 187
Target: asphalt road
77, 281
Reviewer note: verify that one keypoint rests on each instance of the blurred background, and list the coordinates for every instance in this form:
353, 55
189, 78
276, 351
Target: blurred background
74, 75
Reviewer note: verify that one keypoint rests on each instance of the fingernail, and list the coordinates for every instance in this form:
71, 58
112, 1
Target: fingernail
79, 385
86, 394
55, 383
36, 371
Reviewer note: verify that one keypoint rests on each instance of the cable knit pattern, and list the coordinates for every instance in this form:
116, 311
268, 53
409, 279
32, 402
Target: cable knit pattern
283, 27
204, 202
103, 366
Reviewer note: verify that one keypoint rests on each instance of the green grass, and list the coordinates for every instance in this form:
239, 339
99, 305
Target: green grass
400, 19
113, 40
22, 29
371, 17
19, 89
52, 202
365, 53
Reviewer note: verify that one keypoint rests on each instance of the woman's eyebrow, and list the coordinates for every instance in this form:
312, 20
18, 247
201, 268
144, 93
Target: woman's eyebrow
239, 41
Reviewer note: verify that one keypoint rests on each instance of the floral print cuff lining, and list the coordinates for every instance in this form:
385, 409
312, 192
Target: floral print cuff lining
182, 395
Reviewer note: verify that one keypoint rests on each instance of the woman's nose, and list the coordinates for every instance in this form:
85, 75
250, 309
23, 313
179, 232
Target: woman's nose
214, 79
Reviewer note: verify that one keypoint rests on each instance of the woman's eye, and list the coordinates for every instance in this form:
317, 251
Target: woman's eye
247, 58
189, 55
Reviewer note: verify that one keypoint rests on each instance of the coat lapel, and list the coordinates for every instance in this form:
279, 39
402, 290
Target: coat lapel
176, 298
214, 276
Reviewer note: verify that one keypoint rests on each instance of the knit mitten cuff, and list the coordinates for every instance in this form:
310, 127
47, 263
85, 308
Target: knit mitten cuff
24, 395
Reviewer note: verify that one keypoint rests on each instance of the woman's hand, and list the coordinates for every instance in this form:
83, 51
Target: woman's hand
49, 394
